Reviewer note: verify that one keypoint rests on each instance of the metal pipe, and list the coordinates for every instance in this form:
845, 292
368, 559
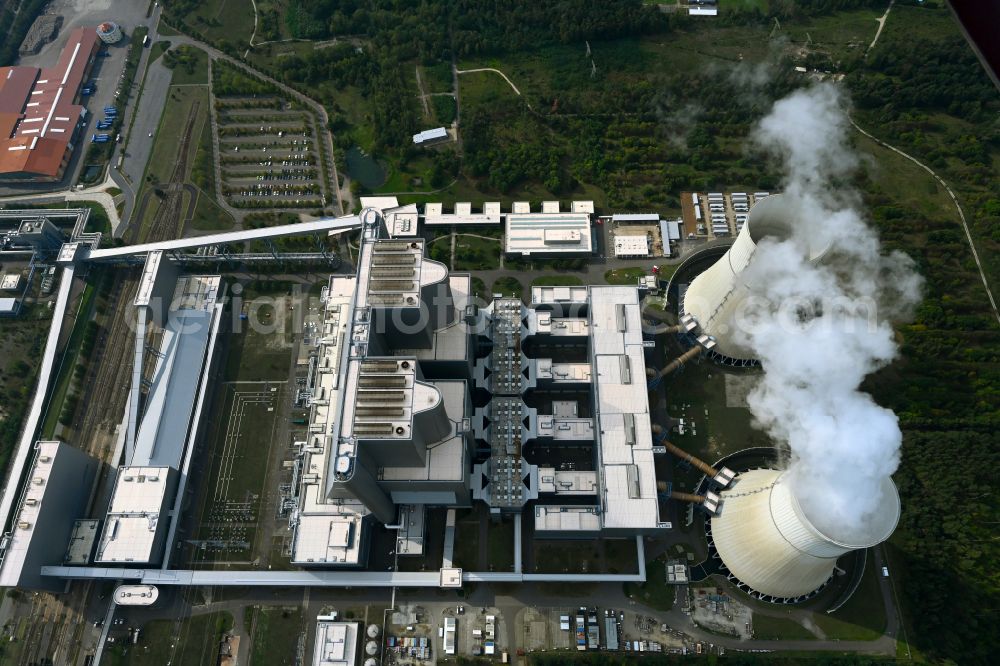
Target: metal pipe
678, 495
684, 455
680, 360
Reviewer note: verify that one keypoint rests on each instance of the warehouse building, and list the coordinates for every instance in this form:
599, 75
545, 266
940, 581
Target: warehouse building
548, 234
40, 115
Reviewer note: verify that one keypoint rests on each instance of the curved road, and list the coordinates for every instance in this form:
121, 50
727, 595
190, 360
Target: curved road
958, 206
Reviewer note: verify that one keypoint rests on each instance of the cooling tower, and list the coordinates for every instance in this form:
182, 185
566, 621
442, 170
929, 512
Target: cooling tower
768, 543
719, 296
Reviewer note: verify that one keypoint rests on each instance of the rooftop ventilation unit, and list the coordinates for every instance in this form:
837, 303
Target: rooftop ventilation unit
378, 366
393, 272
378, 411
392, 247
390, 285
398, 381
394, 260
381, 396
373, 429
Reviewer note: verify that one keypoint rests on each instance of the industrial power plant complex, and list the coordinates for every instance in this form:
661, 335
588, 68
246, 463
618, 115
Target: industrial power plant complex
420, 397
440, 333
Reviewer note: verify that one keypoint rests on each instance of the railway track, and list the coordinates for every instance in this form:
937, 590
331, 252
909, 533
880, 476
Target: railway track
58, 627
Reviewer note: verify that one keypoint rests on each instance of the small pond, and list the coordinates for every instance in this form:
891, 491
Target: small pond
364, 168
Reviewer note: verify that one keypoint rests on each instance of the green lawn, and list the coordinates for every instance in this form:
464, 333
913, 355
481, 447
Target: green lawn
556, 281
655, 592
195, 642
209, 216
276, 636
500, 546
159, 48
768, 628
466, 554
67, 363
192, 68
258, 355
230, 20
628, 276
473, 253
508, 286
479, 289
166, 148
862, 618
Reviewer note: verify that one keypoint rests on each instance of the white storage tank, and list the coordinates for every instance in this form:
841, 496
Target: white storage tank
109, 32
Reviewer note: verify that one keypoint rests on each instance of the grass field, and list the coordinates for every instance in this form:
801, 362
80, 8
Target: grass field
473, 253
67, 363
862, 618
905, 182
698, 394
556, 281
194, 71
231, 20
769, 628
276, 633
166, 148
500, 546
193, 641
467, 540
508, 286
628, 275
655, 592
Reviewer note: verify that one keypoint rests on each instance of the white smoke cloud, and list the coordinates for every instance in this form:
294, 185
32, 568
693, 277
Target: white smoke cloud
821, 327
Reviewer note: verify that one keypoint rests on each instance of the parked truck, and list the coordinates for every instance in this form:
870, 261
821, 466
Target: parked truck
581, 639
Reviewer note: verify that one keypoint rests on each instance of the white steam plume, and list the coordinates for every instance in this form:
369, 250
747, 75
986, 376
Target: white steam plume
821, 327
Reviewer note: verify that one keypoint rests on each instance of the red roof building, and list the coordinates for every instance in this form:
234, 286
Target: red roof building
40, 114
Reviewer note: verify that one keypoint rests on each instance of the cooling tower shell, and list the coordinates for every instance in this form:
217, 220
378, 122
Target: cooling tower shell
768, 543
717, 298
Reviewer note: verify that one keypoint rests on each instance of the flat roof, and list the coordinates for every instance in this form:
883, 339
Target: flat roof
567, 519
82, 540
622, 409
141, 498
33, 499
336, 642
430, 135
631, 245
434, 214
651, 218
332, 538
566, 482
548, 233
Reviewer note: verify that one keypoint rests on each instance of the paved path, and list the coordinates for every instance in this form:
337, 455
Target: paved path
958, 206
489, 69
95, 193
130, 189
881, 24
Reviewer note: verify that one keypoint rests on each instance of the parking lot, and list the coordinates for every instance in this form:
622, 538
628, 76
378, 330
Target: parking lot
268, 153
